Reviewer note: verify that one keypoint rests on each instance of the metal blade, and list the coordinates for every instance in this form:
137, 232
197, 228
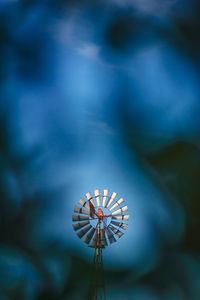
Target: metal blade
119, 211
110, 235
121, 225
114, 195
122, 217
103, 241
116, 231
89, 236
83, 231
84, 203
105, 195
120, 201
94, 242
89, 197
80, 225
79, 218
80, 210
97, 195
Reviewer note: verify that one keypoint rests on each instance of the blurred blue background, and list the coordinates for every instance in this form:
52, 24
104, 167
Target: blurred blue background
99, 94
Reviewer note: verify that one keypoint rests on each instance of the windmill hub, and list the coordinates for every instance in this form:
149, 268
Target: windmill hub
100, 214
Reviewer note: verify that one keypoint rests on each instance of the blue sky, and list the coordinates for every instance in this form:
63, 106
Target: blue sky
80, 96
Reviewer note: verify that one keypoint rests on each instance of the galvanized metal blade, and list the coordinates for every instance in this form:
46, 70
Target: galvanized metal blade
112, 198
79, 218
84, 203
80, 210
103, 241
89, 236
94, 241
122, 217
121, 225
80, 225
105, 195
90, 199
110, 235
120, 210
120, 201
97, 195
83, 231
116, 231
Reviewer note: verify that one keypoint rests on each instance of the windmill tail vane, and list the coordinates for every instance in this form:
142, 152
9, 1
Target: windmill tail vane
92, 210
100, 220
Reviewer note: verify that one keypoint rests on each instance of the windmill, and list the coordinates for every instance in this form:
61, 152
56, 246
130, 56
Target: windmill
100, 221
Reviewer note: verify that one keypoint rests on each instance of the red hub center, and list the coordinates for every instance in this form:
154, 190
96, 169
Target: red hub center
100, 214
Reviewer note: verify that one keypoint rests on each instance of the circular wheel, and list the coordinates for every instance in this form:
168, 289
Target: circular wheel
100, 219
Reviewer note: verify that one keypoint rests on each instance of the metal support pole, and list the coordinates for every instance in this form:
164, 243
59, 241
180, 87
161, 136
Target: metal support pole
97, 286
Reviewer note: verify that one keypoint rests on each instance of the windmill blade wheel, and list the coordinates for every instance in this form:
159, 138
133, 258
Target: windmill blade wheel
100, 219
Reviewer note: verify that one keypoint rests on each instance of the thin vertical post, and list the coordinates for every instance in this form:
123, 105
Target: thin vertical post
97, 286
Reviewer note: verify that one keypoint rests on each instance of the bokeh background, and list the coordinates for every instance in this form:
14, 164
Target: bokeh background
99, 94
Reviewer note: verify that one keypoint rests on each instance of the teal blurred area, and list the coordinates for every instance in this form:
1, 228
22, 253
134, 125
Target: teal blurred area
99, 94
